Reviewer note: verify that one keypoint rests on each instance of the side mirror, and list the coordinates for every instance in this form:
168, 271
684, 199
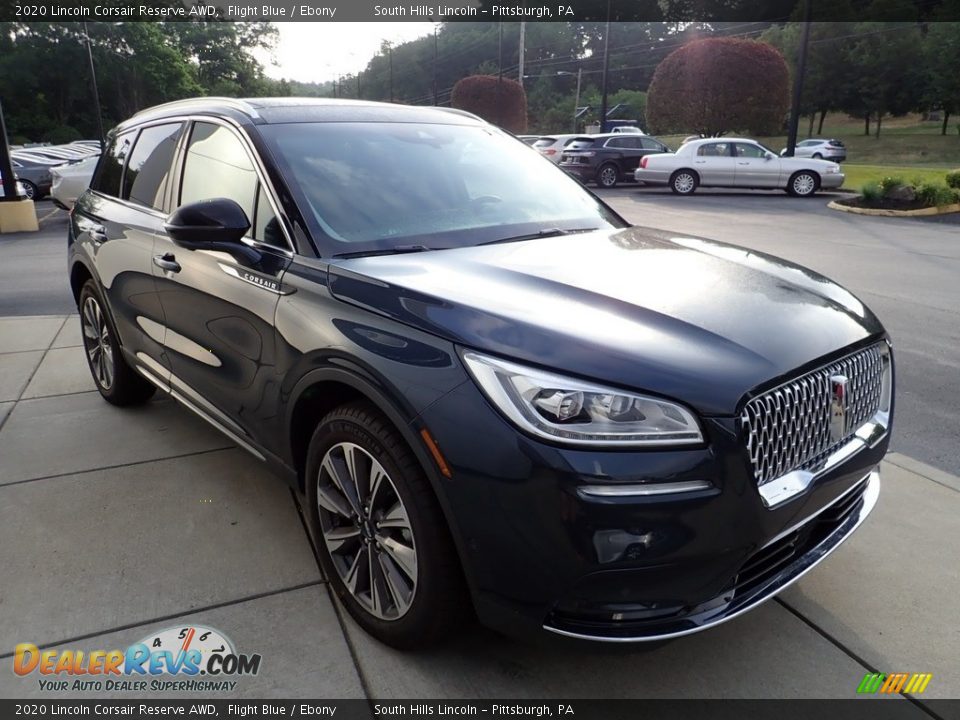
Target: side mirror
215, 224
769, 156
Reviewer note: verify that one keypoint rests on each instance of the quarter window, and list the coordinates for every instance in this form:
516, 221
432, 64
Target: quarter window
106, 180
149, 165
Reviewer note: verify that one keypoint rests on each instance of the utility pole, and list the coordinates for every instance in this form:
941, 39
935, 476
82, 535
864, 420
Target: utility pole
606, 70
436, 59
6, 167
390, 55
576, 102
96, 93
523, 31
798, 81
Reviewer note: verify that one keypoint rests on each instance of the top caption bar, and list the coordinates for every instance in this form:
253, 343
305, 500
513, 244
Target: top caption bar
472, 11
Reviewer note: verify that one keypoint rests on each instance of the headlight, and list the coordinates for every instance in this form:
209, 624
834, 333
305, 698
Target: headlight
577, 412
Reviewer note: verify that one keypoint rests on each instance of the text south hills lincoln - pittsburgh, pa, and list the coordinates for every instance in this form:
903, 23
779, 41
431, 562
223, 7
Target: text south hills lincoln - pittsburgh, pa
538, 12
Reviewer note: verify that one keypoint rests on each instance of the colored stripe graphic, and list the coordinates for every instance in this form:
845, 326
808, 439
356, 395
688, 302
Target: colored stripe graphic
894, 683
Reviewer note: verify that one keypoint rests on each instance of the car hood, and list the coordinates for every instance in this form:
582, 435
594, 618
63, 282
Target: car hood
696, 320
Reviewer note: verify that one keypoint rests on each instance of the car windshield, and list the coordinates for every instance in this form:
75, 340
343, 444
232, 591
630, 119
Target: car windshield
382, 186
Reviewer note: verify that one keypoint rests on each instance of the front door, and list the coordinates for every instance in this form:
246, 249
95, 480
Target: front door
220, 306
755, 169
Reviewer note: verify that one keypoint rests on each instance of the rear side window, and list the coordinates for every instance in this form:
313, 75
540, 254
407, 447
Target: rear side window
714, 150
217, 165
649, 144
110, 170
149, 165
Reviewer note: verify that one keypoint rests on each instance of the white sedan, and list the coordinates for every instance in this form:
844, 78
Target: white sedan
69, 181
736, 163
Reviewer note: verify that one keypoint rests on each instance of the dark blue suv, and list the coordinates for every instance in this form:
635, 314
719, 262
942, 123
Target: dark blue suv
492, 394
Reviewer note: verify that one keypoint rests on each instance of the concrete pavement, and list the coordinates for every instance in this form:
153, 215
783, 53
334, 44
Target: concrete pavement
117, 523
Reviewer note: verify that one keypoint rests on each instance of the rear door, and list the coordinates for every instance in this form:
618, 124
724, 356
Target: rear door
715, 164
219, 306
627, 153
121, 221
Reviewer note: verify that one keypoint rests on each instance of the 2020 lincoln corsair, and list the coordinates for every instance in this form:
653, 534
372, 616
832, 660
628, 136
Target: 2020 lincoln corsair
491, 392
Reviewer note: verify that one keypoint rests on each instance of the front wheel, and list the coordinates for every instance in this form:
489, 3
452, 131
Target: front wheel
30, 190
803, 184
118, 383
379, 532
683, 182
608, 176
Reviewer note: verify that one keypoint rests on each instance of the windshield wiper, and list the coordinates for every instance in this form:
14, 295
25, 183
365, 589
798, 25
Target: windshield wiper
396, 250
544, 233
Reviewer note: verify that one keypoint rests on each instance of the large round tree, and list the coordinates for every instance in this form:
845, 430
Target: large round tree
718, 85
501, 101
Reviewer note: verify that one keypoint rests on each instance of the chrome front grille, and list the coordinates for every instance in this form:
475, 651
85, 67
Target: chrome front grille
788, 428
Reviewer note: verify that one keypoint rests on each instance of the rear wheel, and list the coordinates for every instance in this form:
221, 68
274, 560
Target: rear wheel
608, 175
803, 184
31, 190
684, 182
379, 531
817, 156
117, 382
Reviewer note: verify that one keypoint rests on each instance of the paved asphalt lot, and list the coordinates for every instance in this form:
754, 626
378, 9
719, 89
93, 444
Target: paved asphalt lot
115, 523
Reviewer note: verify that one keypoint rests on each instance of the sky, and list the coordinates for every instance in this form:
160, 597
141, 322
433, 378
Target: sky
319, 52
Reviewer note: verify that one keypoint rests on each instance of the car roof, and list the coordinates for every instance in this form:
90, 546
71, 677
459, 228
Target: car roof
260, 111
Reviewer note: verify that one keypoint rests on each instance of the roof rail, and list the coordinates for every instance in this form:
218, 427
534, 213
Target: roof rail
241, 105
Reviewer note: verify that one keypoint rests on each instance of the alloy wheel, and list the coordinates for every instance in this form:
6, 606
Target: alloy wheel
97, 343
608, 176
367, 531
804, 184
684, 183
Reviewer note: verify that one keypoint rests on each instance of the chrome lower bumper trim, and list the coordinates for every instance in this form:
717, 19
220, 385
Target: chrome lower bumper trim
787, 577
644, 489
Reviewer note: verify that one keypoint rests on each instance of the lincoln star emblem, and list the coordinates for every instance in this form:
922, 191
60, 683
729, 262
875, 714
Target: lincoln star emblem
838, 407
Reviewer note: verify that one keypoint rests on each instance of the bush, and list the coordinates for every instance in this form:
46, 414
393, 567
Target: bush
871, 191
953, 179
501, 101
935, 195
889, 183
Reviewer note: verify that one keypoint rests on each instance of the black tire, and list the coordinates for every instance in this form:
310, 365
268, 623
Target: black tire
608, 175
803, 184
118, 383
684, 182
33, 192
413, 609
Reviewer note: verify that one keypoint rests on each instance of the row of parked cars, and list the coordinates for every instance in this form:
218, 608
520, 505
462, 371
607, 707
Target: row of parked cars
61, 171
608, 159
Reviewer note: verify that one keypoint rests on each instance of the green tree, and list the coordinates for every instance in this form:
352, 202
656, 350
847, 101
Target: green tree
942, 55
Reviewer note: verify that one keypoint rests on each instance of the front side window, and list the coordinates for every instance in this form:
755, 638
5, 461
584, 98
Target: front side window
746, 150
149, 165
217, 166
376, 186
106, 180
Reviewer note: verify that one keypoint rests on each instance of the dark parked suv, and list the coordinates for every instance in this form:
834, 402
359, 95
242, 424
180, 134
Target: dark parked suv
607, 159
491, 393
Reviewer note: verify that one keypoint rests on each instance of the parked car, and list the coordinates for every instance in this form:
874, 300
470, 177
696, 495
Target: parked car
488, 390
69, 181
63, 153
34, 176
551, 146
820, 149
608, 159
736, 162
528, 139
628, 129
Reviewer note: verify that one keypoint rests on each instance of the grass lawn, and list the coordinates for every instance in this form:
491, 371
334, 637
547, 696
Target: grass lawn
857, 175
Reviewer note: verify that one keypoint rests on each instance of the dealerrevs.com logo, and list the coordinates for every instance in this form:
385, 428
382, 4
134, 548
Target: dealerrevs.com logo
192, 658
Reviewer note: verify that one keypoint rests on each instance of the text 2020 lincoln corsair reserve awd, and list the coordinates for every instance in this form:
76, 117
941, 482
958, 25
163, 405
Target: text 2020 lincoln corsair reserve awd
492, 393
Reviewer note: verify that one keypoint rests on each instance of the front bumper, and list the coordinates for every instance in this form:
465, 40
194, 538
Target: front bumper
832, 180
542, 554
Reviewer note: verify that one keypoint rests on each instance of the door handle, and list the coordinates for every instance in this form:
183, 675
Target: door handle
167, 262
743, 163
700, 162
